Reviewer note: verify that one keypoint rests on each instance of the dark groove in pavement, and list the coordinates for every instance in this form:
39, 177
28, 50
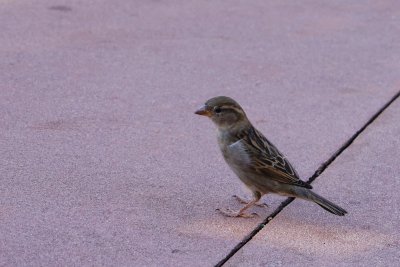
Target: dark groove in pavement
317, 173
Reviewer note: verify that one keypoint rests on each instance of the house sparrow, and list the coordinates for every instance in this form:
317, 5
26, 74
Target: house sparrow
254, 159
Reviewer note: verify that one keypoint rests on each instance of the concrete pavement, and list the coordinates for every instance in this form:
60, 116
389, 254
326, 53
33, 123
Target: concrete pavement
103, 162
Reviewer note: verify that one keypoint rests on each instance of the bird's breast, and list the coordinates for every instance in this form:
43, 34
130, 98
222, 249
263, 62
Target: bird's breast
236, 155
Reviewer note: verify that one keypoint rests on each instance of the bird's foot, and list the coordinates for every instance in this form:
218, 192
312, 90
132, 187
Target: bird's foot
246, 201
231, 213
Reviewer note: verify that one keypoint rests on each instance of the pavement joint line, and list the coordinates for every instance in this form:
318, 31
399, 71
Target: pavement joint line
317, 173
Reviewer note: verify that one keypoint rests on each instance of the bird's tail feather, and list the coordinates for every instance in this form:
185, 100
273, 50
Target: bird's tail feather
307, 194
326, 204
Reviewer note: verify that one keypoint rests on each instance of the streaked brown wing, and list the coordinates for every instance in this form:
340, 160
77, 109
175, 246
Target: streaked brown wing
267, 160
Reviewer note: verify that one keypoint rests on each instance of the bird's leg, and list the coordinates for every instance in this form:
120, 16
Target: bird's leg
240, 213
246, 201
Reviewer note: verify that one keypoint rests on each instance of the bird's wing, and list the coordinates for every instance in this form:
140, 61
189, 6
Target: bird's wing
268, 161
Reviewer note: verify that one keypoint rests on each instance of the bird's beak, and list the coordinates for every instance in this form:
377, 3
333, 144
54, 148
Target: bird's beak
203, 111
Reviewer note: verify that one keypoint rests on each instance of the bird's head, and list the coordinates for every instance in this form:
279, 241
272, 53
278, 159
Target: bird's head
224, 112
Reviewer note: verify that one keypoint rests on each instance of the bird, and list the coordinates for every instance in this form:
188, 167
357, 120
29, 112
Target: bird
255, 160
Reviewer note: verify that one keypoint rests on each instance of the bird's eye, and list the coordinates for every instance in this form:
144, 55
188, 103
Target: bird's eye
217, 110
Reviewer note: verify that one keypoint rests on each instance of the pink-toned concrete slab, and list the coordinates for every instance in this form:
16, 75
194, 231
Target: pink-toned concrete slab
364, 180
102, 160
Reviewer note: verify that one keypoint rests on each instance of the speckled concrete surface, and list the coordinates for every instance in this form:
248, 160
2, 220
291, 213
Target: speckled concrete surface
102, 160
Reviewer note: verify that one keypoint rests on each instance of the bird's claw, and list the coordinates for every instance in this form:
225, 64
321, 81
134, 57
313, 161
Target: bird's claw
246, 201
231, 213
